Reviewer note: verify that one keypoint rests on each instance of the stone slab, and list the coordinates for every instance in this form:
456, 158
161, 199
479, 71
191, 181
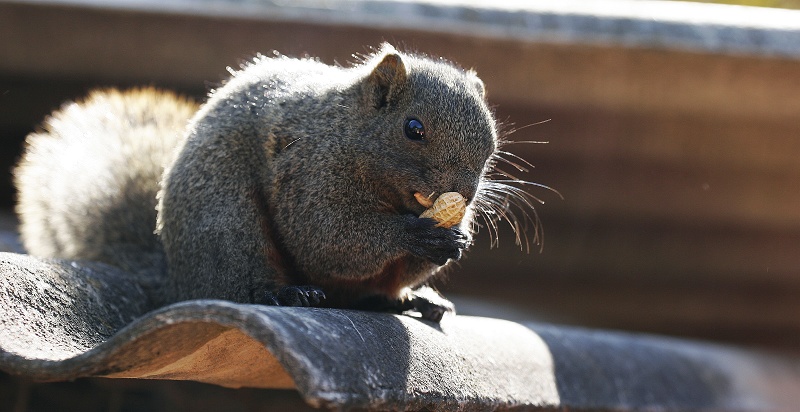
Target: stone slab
64, 320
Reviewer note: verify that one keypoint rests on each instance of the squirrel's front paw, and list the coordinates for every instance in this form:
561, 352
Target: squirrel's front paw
295, 296
436, 244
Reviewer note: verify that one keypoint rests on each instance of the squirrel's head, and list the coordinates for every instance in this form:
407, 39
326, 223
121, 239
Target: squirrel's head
427, 125
429, 129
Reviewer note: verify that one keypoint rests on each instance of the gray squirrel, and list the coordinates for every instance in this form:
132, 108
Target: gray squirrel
292, 185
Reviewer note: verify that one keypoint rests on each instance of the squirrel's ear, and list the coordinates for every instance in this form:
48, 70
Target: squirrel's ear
478, 83
385, 81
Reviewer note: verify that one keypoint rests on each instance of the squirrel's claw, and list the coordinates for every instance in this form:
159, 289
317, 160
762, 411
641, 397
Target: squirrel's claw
270, 299
430, 304
305, 296
431, 311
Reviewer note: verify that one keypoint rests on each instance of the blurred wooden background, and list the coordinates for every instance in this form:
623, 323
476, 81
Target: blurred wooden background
679, 169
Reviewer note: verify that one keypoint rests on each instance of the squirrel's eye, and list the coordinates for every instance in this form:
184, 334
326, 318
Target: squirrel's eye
414, 129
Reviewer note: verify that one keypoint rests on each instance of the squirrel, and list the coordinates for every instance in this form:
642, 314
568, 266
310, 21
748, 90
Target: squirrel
293, 184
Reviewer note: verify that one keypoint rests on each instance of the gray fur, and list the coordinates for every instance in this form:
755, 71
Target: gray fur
292, 173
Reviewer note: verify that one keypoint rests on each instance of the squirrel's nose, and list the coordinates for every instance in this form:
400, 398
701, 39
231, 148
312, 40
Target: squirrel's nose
467, 187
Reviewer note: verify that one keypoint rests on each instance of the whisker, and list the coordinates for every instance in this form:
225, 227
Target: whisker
514, 195
488, 212
491, 226
515, 165
500, 172
516, 129
504, 197
497, 201
525, 182
503, 143
500, 202
510, 192
500, 154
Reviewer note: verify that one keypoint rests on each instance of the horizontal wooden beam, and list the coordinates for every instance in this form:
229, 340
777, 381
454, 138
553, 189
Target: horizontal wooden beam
629, 59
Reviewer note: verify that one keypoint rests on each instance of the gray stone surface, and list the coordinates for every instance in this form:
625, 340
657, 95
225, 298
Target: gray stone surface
596, 369
64, 320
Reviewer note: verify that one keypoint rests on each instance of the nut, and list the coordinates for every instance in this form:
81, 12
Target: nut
448, 209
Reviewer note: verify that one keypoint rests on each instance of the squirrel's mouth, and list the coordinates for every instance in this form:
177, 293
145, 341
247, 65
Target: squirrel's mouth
410, 205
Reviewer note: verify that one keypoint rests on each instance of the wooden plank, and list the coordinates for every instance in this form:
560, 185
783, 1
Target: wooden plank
690, 168
81, 41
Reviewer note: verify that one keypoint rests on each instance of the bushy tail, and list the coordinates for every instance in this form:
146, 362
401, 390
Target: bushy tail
87, 183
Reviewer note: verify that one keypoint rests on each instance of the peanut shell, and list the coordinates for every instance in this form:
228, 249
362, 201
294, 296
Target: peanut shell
448, 209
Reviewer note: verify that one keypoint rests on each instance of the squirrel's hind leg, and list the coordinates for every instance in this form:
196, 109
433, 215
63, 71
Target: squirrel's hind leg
424, 300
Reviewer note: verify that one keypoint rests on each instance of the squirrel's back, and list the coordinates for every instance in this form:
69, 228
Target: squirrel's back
88, 181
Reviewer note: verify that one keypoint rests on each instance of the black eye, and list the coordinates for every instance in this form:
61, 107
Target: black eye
414, 129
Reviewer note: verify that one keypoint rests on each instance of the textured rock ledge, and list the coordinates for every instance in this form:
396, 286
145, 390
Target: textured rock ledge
66, 320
